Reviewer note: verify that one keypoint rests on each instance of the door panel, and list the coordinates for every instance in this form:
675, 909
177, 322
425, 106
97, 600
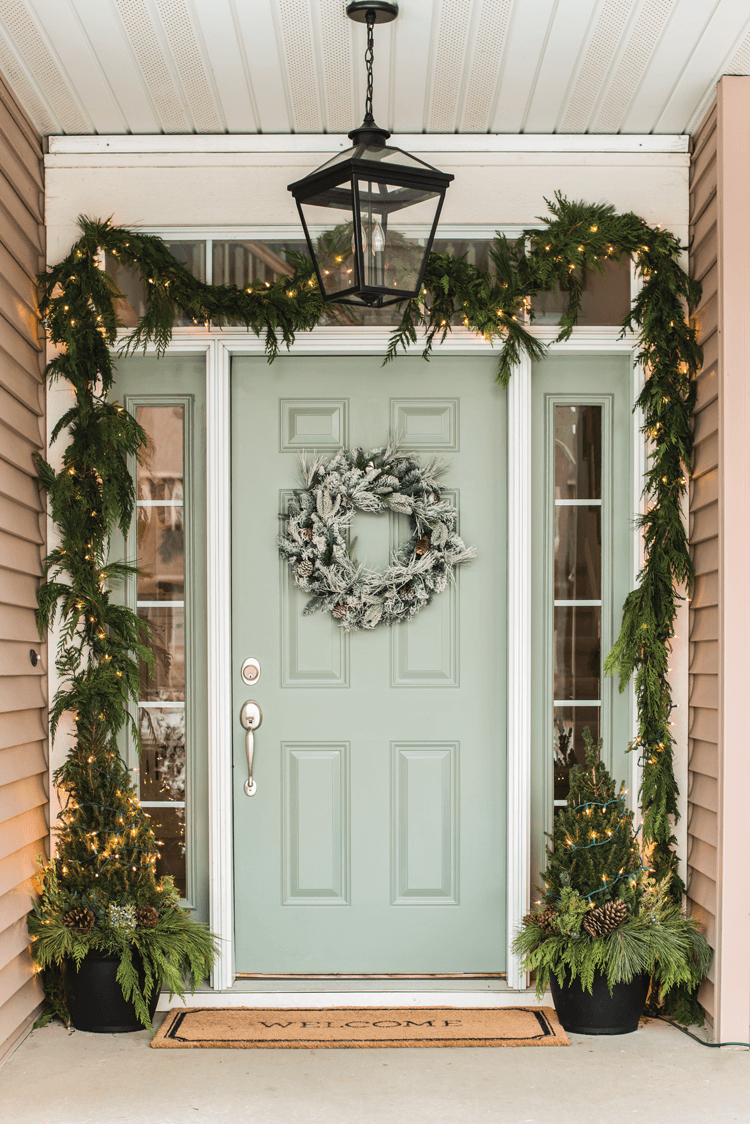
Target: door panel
376, 840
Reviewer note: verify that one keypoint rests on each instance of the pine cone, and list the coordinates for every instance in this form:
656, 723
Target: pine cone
339, 611
304, 568
307, 533
422, 545
605, 919
405, 592
543, 919
147, 917
79, 918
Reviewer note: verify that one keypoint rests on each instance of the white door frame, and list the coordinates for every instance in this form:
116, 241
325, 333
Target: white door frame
219, 349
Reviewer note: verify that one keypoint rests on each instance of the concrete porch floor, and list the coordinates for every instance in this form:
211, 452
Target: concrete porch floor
58, 1076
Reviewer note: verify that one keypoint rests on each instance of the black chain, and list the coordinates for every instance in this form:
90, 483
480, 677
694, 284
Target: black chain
369, 55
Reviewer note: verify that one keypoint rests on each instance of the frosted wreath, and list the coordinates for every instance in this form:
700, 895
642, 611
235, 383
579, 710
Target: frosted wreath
319, 517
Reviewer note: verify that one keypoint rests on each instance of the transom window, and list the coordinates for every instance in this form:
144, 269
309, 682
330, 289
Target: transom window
242, 260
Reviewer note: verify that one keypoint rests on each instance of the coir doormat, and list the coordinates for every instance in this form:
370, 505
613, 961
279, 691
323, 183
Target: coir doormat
315, 1028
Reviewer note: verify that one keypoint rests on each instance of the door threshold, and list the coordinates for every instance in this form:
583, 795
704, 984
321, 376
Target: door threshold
283, 1000
300, 976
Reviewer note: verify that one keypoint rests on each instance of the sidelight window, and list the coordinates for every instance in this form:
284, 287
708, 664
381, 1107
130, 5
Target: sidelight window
161, 529
576, 565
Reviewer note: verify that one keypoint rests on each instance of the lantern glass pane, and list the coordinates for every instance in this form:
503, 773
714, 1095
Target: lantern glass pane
334, 244
396, 157
393, 259
377, 153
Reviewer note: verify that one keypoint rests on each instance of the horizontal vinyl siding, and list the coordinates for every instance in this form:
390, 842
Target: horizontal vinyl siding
703, 747
23, 744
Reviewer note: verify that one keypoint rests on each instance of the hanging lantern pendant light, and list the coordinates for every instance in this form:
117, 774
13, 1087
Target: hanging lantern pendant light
366, 247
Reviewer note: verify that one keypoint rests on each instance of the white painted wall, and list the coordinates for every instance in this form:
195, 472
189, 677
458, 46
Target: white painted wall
147, 186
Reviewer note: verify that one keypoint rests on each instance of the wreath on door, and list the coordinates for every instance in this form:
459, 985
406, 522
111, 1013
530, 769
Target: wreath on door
316, 541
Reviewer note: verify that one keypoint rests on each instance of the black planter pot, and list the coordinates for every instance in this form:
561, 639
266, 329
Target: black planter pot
598, 1012
95, 998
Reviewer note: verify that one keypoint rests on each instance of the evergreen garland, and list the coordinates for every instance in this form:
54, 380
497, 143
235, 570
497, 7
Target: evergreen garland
107, 853
101, 642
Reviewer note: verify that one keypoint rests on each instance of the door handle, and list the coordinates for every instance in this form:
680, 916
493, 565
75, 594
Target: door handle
251, 717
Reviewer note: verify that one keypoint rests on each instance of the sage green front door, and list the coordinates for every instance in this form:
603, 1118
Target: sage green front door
375, 841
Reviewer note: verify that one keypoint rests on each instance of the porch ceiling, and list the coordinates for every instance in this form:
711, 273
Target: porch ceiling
282, 66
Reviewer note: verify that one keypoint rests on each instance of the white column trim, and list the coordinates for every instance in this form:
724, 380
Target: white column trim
219, 625
519, 658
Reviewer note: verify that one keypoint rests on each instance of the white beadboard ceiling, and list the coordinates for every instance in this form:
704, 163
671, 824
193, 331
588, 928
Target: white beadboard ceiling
444, 66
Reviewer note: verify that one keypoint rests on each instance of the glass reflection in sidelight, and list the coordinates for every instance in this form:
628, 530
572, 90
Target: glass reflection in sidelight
161, 470
578, 553
161, 545
578, 452
163, 763
160, 505
578, 652
568, 725
166, 681
168, 825
577, 583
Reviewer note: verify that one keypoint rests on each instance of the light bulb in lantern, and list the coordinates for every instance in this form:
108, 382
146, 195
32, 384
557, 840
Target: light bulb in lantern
378, 239
362, 221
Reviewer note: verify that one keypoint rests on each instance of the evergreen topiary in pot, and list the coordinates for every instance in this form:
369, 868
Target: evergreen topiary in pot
106, 932
605, 928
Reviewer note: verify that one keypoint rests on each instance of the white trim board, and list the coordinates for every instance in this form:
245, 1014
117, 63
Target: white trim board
283, 1000
374, 341
519, 661
262, 143
219, 636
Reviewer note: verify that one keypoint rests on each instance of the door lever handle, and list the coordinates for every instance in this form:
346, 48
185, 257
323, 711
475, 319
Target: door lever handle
251, 717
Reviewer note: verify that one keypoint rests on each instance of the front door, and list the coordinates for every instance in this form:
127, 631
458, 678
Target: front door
375, 842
